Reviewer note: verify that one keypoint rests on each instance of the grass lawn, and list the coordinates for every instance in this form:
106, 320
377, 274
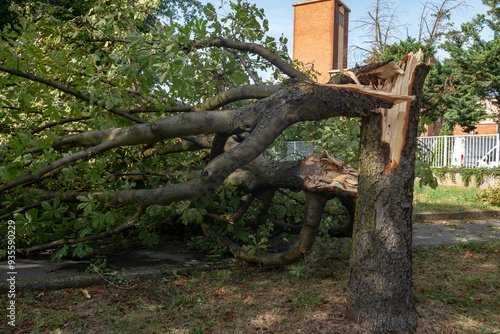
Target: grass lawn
457, 291
448, 199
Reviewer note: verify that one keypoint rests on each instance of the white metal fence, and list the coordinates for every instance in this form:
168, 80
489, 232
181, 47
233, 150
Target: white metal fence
455, 151
440, 151
297, 150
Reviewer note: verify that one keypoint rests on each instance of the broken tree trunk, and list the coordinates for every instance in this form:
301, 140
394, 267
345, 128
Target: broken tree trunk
380, 295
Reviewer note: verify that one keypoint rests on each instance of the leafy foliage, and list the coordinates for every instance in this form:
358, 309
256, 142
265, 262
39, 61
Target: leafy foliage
400, 49
478, 60
455, 85
110, 56
491, 196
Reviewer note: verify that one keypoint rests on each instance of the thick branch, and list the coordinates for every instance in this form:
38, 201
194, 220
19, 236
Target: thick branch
220, 100
220, 42
277, 61
41, 173
183, 145
295, 102
237, 94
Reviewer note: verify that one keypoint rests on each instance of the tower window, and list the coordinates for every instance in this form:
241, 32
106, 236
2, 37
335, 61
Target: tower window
341, 19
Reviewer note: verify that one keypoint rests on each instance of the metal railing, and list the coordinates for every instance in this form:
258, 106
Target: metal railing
298, 150
455, 151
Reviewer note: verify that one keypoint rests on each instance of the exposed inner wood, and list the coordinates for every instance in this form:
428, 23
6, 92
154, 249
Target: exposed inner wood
395, 120
394, 98
333, 173
385, 71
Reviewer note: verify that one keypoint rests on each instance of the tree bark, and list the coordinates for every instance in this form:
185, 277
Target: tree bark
380, 295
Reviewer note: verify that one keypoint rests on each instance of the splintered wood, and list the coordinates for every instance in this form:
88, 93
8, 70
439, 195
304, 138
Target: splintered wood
385, 71
332, 173
394, 98
393, 82
395, 120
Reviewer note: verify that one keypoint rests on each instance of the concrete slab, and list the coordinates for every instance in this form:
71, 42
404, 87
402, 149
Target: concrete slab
453, 231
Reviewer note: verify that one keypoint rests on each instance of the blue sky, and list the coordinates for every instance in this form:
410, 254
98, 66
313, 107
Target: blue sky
280, 16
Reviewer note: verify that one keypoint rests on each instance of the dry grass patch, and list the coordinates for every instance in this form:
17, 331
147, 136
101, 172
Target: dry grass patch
458, 288
457, 291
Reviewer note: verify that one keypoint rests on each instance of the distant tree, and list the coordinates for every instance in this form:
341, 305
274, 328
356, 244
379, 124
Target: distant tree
446, 94
435, 19
383, 30
450, 97
399, 50
476, 62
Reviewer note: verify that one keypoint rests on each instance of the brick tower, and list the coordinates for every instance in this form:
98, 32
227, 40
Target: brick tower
320, 35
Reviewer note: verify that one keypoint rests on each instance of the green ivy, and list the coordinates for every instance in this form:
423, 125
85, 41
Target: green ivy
467, 174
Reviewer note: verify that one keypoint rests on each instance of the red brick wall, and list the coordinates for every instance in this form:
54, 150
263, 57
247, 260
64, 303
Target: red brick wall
432, 130
481, 129
313, 35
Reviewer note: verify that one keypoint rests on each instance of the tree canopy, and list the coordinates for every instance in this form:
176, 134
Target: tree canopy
114, 120
477, 60
100, 71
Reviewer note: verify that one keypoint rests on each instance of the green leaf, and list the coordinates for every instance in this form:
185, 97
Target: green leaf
57, 256
82, 249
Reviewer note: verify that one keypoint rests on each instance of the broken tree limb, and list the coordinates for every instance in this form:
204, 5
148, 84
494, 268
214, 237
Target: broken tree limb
332, 173
263, 120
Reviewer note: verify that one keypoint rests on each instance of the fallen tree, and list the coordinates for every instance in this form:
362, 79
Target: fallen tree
163, 127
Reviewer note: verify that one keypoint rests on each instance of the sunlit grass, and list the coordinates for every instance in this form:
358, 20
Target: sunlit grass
448, 199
